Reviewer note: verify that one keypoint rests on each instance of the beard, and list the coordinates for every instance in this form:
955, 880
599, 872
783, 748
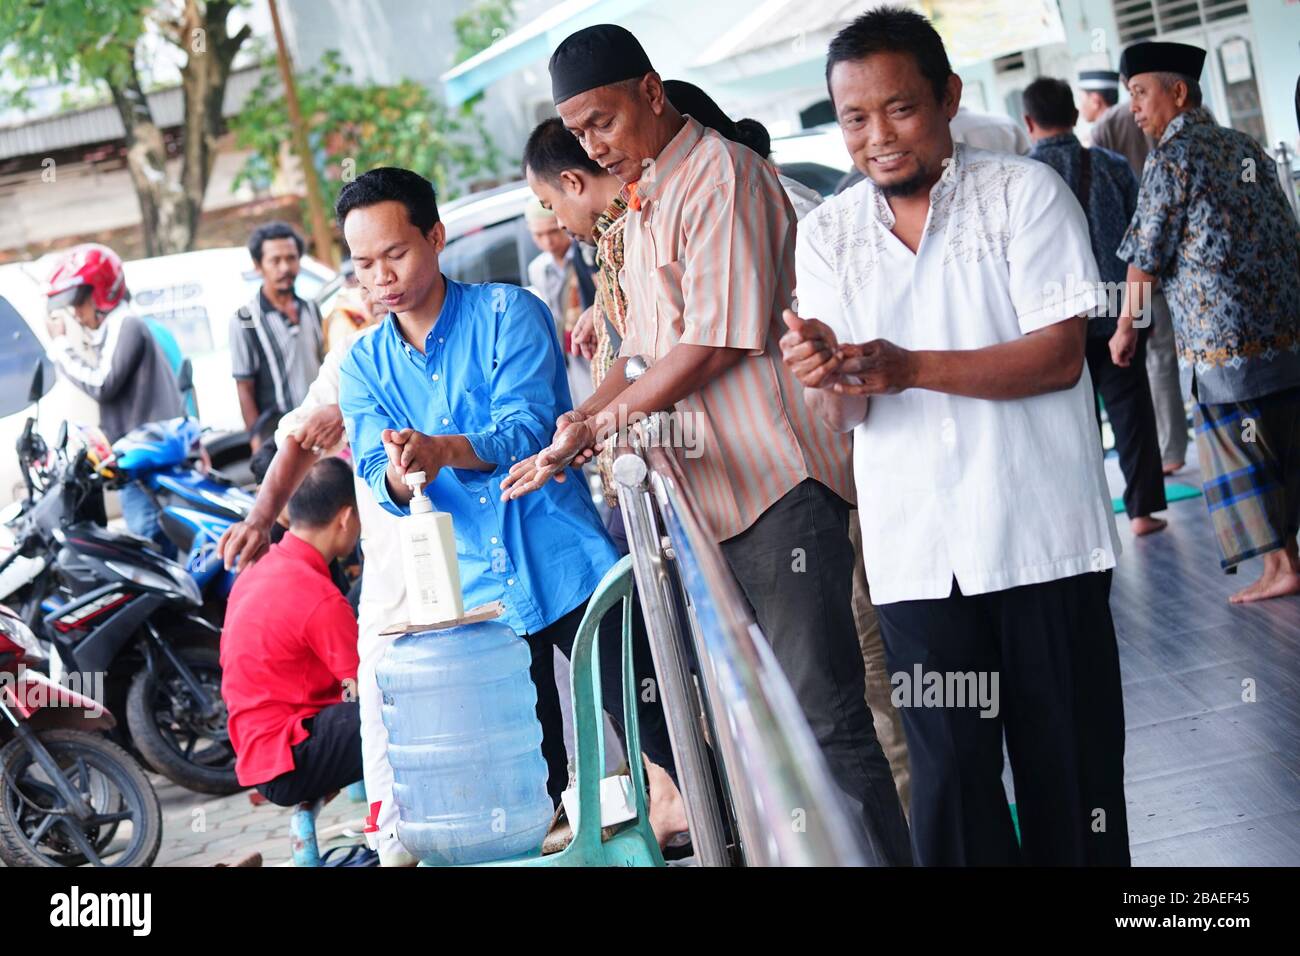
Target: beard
908, 187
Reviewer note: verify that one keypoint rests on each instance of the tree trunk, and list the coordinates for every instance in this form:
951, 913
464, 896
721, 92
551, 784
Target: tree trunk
210, 50
169, 207
161, 200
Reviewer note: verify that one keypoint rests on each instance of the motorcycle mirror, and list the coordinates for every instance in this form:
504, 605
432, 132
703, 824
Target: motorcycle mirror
185, 377
63, 436
38, 382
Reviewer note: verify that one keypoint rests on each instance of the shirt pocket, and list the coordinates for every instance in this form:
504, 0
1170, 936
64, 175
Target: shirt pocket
669, 304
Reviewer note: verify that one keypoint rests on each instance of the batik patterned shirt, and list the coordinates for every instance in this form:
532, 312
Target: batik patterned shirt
1213, 225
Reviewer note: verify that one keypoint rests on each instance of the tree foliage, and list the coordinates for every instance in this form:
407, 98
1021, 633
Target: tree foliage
482, 25
354, 126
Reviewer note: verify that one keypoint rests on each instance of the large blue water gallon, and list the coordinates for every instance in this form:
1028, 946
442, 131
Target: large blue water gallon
465, 744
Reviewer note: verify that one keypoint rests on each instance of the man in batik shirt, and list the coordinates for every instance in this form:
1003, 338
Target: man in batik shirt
1213, 226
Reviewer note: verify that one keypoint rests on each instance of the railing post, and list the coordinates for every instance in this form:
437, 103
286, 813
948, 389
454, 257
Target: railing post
1288, 181
655, 590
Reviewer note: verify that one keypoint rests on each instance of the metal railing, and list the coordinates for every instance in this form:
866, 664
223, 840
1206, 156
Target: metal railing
1283, 157
772, 786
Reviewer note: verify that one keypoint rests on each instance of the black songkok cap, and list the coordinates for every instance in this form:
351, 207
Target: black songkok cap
593, 57
1160, 57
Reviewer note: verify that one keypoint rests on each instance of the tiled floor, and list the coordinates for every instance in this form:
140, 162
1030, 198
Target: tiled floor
1211, 697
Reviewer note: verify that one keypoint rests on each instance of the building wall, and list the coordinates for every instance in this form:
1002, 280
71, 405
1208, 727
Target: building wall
1277, 58
385, 41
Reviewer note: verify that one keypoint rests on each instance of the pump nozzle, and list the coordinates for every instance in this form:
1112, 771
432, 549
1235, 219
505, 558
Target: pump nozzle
420, 503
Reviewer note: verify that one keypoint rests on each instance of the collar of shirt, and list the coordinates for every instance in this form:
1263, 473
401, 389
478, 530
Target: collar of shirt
954, 169
298, 549
443, 325
269, 309
1195, 115
607, 218
666, 163
1060, 139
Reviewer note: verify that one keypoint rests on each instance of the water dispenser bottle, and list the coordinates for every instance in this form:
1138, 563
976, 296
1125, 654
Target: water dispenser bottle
465, 744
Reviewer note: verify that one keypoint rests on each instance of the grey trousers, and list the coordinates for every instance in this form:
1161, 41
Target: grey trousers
795, 567
1166, 390
888, 721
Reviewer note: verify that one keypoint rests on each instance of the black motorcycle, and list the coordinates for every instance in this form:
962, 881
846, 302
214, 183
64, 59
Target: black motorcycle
111, 605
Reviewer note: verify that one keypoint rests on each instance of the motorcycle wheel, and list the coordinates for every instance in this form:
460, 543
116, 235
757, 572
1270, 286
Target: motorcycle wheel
31, 834
173, 739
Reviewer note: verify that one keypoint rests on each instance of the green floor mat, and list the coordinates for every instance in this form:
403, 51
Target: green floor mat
1174, 491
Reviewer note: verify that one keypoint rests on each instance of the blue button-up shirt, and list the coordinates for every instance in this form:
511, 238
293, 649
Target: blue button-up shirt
492, 371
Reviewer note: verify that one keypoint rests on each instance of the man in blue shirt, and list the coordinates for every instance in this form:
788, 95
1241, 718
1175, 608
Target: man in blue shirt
1107, 189
461, 381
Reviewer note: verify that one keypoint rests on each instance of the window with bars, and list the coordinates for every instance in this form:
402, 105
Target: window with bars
1144, 19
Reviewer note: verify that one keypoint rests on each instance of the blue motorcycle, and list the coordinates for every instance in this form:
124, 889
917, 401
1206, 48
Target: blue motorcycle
196, 507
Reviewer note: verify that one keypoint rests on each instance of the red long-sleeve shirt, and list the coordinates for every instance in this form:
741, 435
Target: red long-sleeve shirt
289, 643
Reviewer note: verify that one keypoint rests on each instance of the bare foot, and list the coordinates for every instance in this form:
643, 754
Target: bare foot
1173, 468
1280, 579
667, 811
1283, 585
1147, 525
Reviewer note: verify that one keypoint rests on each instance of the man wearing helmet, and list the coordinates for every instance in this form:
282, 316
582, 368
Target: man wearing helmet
105, 350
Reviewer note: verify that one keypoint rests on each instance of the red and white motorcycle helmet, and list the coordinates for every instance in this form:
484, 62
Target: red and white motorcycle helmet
90, 264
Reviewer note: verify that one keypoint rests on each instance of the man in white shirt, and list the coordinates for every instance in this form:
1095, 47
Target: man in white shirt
313, 429
943, 305
999, 134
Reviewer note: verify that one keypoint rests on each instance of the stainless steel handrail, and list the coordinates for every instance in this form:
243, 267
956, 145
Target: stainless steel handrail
1283, 159
785, 806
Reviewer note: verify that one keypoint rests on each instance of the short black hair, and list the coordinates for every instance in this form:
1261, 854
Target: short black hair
893, 30
1049, 102
327, 490
272, 230
755, 135
551, 149
391, 184
1109, 96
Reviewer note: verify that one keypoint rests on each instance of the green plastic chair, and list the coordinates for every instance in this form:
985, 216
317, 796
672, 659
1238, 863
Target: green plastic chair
633, 843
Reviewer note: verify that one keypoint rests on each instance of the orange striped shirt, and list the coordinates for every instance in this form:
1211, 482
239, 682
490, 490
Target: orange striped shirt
709, 260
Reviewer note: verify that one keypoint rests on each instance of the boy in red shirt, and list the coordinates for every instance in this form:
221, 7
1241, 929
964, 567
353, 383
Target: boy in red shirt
289, 652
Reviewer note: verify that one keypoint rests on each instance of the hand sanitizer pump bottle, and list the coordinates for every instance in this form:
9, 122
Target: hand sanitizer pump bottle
429, 557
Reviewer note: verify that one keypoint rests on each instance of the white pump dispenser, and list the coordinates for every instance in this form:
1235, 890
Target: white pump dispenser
433, 592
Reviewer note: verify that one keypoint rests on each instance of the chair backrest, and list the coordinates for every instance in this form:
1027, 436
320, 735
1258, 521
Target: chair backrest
588, 710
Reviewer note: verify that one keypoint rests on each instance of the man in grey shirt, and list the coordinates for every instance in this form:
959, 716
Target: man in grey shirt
1114, 128
276, 340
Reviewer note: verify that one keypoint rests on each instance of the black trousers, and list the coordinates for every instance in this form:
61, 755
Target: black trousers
795, 567
1127, 394
1052, 647
650, 716
328, 760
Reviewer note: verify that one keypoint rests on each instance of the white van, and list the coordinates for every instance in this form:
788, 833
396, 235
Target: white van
191, 294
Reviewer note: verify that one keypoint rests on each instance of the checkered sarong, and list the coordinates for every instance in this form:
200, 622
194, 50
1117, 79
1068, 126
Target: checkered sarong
1250, 457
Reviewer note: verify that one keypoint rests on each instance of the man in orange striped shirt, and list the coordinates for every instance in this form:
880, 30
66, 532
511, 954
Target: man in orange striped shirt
708, 268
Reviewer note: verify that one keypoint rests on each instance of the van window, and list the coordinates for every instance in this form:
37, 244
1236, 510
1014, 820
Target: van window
20, 350
180, 309
494, 254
